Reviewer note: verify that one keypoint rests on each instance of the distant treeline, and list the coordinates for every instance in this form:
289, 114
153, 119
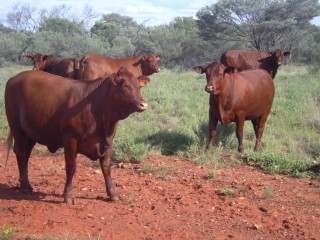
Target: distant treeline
184, 43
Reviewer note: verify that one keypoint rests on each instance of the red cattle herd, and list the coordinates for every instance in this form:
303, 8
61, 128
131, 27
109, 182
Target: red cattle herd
80, 116
76, 105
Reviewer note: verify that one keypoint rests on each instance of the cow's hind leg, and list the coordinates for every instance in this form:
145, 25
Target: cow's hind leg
22, 148
258, 126
70, 153
239, 132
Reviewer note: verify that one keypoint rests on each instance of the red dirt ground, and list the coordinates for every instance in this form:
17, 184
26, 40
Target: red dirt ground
178, 200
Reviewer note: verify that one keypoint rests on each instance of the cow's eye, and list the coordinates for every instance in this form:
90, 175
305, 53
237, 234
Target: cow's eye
127, 88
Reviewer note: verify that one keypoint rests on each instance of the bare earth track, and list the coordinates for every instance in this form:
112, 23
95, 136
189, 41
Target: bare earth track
177, 200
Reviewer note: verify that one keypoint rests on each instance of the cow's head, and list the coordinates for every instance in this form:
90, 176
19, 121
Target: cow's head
149, 64
215, 73
127, 91
279, 56
39, 61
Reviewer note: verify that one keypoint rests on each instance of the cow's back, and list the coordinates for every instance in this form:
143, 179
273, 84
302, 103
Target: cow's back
94, 66
243, 60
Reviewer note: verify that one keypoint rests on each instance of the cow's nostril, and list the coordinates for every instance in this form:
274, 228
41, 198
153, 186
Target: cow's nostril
143, 105
209, 88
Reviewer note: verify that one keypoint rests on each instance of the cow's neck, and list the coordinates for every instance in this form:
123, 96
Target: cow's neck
225, 99
137, 63
104, 107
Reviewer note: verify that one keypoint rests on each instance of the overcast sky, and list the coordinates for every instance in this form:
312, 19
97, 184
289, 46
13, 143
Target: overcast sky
155, 11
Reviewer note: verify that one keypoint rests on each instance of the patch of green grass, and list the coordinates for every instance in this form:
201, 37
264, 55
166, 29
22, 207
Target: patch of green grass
163, 170
280, 163
10, 209
212, 172
147, 168
268, 191
7, 233
226, 191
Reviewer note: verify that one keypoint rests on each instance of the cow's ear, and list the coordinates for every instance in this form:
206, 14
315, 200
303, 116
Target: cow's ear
286, 54
115, 79
229, 70
143, 81
199, 69
29, 57
158, 57
44, 57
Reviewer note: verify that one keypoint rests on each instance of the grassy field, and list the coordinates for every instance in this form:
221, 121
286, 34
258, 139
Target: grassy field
176, 123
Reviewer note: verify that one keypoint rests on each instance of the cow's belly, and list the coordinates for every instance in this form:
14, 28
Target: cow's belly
226, 117
92, 148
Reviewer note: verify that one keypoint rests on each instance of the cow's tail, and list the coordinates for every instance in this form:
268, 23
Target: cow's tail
9, 144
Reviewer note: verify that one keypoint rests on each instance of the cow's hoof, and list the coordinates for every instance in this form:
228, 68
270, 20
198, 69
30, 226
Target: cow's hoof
114, 199
26, 188
69, 201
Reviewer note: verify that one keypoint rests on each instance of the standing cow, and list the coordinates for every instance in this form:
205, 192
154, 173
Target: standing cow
236, 97
244, 60
80, 116
93, 66
64, 67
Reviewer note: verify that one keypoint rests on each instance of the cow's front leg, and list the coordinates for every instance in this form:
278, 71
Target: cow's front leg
105, 163
70, 153
212, 129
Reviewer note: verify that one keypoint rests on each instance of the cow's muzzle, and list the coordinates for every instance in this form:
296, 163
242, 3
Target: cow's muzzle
158, 70
209, 89
142, 106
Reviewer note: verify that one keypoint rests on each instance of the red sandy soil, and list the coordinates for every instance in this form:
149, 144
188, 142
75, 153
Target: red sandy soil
177, 200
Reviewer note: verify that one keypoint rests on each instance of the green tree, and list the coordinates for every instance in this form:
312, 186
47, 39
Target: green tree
264, 24
61, 25
114, 25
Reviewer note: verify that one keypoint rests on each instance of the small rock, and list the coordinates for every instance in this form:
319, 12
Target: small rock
90, 216
256, 227
97, 171
262, 209
121, 165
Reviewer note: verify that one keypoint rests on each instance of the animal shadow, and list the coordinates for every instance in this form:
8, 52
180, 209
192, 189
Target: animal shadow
225, 134
169, 142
